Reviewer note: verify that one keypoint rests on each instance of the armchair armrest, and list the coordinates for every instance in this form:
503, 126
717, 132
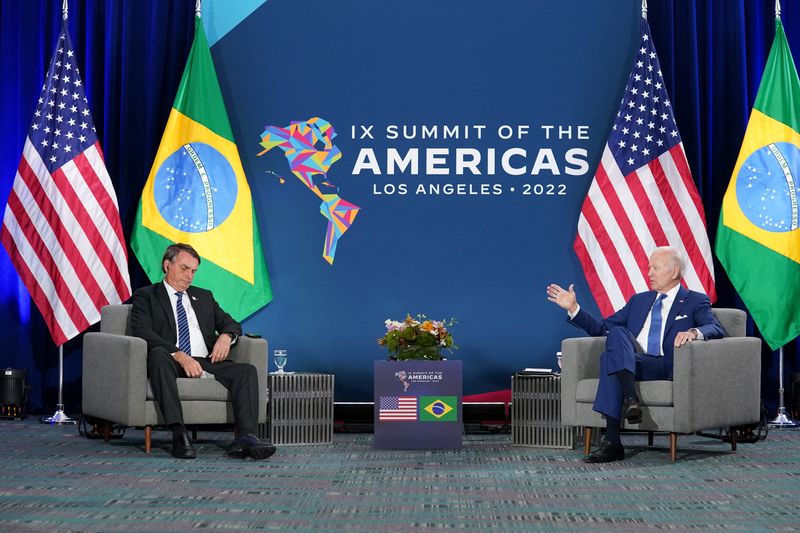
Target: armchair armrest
717, 383
114, 377
254, 352
580, 359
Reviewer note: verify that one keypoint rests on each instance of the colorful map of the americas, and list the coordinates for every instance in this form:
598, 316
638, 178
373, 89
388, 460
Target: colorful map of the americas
299, 142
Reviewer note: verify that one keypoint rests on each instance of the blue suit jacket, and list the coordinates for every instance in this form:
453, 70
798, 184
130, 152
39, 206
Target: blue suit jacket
689, 310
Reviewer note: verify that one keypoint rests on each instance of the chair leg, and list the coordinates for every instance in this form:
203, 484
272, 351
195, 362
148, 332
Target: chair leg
587, 440
194, 432
148, 433
732, 433
106, 431
673, 446
650, 438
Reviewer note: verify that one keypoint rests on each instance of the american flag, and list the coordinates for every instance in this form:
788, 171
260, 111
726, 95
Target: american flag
642, 195
397, 408
61, 226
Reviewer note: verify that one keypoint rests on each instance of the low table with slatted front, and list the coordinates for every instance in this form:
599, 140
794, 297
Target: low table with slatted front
300, 409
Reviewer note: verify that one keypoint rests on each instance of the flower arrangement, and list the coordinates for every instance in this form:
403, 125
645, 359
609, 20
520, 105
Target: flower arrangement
418, 338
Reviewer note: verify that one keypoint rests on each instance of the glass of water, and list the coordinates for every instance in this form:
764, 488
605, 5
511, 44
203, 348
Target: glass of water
279, 356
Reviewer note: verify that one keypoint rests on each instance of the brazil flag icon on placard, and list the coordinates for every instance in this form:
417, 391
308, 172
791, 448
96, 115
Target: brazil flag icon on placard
197, 194
438, 409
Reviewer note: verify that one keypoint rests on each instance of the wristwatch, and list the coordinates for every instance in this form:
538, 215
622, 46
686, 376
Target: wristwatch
234, 337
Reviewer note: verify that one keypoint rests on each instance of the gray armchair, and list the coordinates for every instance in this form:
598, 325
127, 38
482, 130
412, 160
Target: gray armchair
116, 388
716, 384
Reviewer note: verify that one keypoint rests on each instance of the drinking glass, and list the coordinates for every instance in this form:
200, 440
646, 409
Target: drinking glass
558, 358
279, 356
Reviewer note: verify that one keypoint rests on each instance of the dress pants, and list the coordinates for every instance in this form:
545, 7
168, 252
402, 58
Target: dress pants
239, 378
623, 353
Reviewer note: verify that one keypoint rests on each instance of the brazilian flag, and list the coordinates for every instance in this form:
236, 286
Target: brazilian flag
197, 194
438, 409
758, 238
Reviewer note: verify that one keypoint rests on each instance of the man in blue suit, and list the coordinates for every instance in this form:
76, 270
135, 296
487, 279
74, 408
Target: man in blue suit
641, 340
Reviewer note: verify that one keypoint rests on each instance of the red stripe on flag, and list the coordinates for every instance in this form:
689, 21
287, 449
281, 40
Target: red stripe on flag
675, 210
679, 158
595, 283
42, 252
93, 233
646, 209
107, 203
62, 234
35, 290
623, 221
608, 248
696, 257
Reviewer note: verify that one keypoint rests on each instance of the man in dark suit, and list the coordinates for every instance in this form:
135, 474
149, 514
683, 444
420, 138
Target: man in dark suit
187, 334
641, 340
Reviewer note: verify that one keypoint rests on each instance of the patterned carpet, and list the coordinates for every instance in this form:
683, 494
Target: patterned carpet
52, 479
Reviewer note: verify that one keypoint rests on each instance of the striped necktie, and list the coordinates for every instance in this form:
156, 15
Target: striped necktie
184, 340
654, 335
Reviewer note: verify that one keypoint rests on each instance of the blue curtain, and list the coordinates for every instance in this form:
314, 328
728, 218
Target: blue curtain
712, 55
132, 55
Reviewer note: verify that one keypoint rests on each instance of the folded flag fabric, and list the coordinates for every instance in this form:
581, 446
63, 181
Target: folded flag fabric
758, 240
642, 196
61, 226
197, 193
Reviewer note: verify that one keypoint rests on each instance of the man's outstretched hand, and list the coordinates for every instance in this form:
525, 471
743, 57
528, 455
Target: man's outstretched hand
564, 298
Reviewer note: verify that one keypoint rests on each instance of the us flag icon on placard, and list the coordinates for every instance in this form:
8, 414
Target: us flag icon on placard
397, 409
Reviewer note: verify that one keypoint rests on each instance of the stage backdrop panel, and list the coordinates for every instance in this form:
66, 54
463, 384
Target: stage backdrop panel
422, 157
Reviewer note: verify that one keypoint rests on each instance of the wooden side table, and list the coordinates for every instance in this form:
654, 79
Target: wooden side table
300, 409
536, 412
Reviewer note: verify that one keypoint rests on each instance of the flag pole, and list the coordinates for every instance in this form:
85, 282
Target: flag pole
59, 417
782, 420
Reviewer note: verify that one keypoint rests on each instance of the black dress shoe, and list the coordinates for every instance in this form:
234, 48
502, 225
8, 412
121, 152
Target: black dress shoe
250, 445
607, 453
632, 411
182, 447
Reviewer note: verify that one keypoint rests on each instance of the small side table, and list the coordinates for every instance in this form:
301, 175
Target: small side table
536, 412
300, 409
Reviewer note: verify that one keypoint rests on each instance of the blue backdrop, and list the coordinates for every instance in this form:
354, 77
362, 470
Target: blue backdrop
484, 259
487, 72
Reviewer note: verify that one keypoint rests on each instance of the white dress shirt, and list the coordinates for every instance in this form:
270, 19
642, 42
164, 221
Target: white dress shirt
666, 305
199, 348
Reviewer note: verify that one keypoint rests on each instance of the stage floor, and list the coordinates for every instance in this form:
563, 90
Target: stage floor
52, 479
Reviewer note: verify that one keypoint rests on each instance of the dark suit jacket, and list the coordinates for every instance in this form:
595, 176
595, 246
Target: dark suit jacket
689, 310
152, 318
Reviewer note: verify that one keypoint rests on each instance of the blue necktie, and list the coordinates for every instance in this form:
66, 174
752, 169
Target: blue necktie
654, 335
184, 340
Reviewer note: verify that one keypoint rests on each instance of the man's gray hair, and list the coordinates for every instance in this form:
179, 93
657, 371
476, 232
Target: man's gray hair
675, 257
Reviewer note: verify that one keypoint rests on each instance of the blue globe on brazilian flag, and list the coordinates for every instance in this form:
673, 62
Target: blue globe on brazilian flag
438, 409
197, 193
